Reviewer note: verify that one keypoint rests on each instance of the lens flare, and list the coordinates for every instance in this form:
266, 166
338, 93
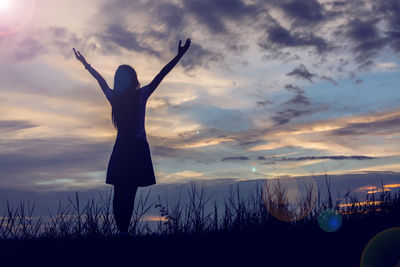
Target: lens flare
383, 249
330, 220
290, 199
15, 15
4, 4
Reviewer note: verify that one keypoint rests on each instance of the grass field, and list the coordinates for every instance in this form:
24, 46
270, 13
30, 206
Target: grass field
266, 228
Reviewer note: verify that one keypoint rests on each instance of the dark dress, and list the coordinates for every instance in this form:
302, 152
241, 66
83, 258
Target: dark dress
130, 161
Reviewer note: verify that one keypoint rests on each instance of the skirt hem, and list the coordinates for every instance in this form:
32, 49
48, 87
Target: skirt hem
130, 163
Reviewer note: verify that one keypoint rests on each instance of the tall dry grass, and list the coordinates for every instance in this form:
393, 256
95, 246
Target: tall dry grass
266, 206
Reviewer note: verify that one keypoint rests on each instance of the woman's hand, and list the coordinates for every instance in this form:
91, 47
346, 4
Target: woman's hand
182, 49
80, 57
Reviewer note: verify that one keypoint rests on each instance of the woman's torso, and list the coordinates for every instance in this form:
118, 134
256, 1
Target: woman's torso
139, 131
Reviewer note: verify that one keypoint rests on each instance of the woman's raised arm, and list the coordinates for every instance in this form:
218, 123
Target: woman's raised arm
103, 84
157, 80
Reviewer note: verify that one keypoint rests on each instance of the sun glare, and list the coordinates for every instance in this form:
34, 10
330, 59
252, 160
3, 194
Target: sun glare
4, 4
15, 15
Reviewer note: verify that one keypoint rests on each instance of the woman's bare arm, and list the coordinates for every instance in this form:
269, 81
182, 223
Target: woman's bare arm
103, 84
157, 80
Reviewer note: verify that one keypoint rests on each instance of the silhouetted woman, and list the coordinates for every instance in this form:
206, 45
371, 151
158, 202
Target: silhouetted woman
130, 165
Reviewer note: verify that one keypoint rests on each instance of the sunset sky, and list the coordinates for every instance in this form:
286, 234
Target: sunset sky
267, 88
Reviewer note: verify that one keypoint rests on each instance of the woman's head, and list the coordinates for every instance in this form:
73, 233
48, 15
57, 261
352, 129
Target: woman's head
125, 100
125, 78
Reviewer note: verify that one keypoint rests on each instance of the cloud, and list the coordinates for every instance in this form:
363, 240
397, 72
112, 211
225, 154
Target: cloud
366, 37
23, 166
390, 10
118, 35
170, 14
312, 23
329, 79
166, 22
235, 158
15, 125
264, 103
369, 27
378, 127
160, 150
279, 37
302, 72
48, 40
215, 14
245, 143
199, 56
287, 115
325, 157
299, 99
28, 49
304, 13
294, 88
320, 135
359, 81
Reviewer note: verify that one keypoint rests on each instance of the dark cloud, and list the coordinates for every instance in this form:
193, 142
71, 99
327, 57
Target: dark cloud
264, 103
367, 27
308, 18
169, 14
285, 116
294, 89
175, 19
354, 78
366, 64
325, 157
166, 151
15, 125
58, 158
63, 39
199, 56
279, 37
235, 158
245, 143
304, 12
373, 26
380, 126
214, 14
299, 99
390, 10
302, 72
329, 79
367, 38
118, 35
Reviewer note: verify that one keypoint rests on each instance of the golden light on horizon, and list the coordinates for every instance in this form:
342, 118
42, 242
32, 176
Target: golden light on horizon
362, 203
371, 189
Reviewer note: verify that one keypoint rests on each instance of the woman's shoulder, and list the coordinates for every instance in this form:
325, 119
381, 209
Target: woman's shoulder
144, 87
145, 90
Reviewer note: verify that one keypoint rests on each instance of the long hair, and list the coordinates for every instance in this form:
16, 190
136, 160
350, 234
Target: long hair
124, 111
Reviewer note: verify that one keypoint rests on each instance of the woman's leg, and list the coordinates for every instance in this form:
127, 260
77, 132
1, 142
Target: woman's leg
123, 203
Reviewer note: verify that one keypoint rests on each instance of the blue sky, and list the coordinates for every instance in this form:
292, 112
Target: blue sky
267, 87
